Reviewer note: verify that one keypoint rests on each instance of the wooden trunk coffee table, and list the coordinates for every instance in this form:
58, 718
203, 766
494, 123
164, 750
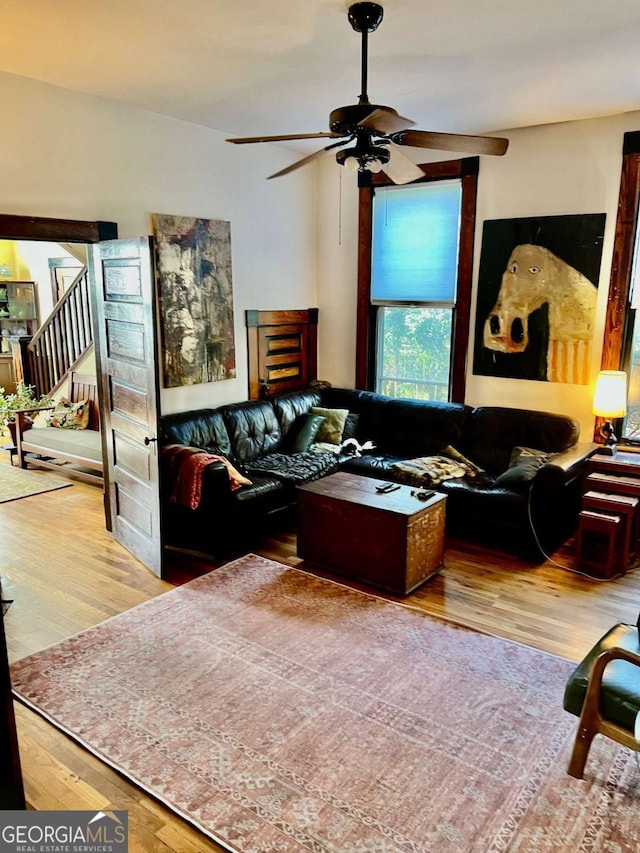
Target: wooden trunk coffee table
393, 541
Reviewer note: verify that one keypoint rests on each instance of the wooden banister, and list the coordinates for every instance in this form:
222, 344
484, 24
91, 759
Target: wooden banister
62, 339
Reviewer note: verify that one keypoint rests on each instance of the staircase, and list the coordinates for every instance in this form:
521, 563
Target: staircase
64, 337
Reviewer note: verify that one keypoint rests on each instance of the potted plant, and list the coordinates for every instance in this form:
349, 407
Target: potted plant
22, 398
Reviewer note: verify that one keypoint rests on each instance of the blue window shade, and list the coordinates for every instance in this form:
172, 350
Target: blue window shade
415, 243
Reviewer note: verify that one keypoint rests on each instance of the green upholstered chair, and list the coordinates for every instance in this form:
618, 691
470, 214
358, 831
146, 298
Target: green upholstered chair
604, 691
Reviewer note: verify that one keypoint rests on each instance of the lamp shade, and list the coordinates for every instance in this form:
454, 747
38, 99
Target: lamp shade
610, 396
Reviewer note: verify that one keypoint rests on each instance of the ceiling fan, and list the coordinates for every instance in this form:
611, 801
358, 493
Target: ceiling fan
378, 131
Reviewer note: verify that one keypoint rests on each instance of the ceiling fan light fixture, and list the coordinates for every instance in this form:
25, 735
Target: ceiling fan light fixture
364, 159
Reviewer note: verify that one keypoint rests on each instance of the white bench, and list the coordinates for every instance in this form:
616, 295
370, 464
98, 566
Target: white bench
74, 452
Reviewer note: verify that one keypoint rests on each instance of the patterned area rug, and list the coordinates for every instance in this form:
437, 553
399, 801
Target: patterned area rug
17, 483
278, 711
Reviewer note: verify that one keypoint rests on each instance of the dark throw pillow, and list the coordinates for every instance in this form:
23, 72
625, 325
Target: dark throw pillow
524, 464
303, 432
350, 426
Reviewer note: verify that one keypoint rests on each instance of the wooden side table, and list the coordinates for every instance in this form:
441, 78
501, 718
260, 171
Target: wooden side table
599, 543
627, 509
617, 477
622, 463
615, 484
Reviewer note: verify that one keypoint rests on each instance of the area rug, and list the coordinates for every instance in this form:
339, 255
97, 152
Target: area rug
18, 483
278, 711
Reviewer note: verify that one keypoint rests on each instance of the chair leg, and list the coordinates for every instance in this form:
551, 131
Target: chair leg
580, 753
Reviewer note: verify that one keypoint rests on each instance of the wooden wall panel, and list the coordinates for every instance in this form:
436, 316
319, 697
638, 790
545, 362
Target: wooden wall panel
282, 351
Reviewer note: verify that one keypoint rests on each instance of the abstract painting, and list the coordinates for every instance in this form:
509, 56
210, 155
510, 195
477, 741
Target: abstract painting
193, 259
537, 295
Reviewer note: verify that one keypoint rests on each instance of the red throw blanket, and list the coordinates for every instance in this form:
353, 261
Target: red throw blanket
186, 466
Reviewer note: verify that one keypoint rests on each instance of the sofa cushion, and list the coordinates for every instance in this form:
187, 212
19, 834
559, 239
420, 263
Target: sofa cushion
264, 494
366, 404
524, 464
65, 415
494, 431
332, 428
197, 428
421, 428
370, 465
253, 429
297, 468
289, 407
303, 432
351, 426
85, 443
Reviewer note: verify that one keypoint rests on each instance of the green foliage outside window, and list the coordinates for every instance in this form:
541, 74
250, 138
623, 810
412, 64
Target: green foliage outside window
416, 351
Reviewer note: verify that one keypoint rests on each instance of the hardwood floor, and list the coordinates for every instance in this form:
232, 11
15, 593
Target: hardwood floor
65, 573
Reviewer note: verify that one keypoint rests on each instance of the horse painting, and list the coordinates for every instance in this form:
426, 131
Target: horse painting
535, 277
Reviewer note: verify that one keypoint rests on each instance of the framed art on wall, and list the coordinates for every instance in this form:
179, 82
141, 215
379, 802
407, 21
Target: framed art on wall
537, 295
193, 259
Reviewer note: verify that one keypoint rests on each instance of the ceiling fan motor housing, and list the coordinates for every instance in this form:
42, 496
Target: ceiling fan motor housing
365, 17
345, 120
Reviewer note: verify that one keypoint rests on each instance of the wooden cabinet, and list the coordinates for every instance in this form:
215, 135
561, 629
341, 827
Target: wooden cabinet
18, 323
7, 375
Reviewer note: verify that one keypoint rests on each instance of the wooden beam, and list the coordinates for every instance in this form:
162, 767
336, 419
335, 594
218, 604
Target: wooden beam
55, 230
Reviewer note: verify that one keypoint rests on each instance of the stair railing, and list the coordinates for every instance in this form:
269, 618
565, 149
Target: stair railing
62, 339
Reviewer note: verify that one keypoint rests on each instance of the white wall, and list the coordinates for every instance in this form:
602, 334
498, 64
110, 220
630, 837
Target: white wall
73, 156
294, 240
556, 169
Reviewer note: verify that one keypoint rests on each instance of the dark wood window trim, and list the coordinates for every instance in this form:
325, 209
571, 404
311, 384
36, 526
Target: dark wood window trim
467, 170
622, 261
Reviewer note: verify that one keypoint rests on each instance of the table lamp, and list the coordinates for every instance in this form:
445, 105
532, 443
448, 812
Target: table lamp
609, 402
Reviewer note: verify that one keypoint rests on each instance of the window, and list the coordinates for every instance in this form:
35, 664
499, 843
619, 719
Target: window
415, 264
414, 352
413, 284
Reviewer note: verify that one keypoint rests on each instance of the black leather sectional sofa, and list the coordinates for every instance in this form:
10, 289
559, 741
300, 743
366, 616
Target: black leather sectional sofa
519, 515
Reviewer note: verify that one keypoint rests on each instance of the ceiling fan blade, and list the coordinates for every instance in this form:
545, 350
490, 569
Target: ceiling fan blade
400, 169
308, 159
451, 142
243, 140
385, 120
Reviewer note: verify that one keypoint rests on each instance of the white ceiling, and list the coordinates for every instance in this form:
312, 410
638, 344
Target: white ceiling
249, 67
